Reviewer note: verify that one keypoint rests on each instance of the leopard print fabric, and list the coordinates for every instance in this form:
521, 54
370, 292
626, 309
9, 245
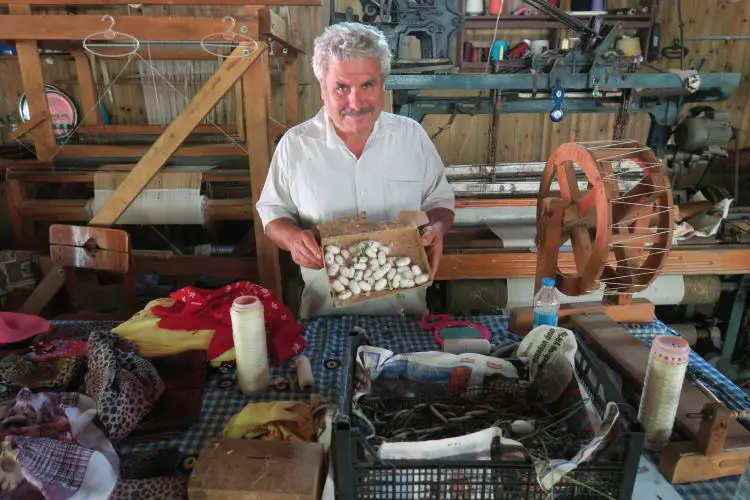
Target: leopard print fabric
155, 488
18, 371
124, 385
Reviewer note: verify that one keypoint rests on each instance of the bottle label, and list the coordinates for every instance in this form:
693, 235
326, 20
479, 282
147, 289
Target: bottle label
546, 319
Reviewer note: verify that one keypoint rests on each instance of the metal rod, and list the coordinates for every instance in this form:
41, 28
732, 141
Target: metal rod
724, 38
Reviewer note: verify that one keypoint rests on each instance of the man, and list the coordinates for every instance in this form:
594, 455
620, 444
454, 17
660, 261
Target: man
353, 159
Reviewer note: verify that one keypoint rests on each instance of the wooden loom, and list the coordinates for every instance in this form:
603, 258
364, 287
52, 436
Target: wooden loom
247, 70
622, 240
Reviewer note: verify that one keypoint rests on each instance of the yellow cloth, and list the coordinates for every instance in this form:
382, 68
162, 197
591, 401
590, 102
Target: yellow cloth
281, 421
153, 342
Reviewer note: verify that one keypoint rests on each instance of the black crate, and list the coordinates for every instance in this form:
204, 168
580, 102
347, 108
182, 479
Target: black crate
612, 473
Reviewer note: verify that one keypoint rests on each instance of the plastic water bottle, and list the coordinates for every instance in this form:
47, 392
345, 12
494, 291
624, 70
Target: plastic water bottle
546, 304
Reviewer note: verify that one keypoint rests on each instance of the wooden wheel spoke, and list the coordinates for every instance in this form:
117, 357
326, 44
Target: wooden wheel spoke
566, 177
582, 247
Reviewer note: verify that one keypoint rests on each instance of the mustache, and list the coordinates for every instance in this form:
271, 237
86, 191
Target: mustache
357, 112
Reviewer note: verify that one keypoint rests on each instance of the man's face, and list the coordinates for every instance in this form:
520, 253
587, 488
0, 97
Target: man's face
353, 95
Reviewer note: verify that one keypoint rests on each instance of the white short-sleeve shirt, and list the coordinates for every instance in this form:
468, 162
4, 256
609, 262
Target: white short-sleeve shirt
315, 178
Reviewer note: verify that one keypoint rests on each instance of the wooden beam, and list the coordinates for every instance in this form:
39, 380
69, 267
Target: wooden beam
703, 259
87, 176
89, 98
151, 129
202, 3
137, 150
275, 27
32, 79
35, 27
291, 92
44, 292
256, 94
213, 90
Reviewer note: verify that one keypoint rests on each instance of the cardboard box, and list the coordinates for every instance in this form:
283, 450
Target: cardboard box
401, 235
253, 469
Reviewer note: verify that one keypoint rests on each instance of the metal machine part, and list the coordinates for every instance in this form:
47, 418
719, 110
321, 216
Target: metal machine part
432, 22
522, 179
704, 134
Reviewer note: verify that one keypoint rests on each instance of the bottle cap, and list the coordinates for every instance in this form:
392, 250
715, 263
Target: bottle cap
548, 281
671, 349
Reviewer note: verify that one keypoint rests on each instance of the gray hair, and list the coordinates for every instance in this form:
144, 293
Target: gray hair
346, 41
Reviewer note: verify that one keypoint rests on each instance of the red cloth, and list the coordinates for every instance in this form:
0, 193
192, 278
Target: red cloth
199, 309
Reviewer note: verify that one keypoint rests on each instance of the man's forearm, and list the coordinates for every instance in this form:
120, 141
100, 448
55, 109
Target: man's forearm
441, 218
282, 232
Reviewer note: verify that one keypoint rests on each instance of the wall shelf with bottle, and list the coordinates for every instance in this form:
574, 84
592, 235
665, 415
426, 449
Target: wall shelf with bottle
474, 41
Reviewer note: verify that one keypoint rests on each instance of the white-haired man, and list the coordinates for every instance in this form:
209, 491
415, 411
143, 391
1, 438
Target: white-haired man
353, 159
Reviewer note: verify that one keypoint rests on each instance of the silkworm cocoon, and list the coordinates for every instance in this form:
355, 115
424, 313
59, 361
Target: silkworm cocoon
370, 281
345, 295
362, 260
367, 274
339, 260
333, 249
371, 252
343, 280
521, 427
416, 270
354, 287
396, 281
333, 270
392, 260
402, 269
386, 250
380, 284
345, 254
404, 283
364, 286
381, 258
374, 264
403, 261
347, 271
360, 266
421, 279
329, 258
375, 244
391, 274
408, 274
338, 286
353, 251
359, 276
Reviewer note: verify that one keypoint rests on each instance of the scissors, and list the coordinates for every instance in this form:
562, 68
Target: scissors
465, 329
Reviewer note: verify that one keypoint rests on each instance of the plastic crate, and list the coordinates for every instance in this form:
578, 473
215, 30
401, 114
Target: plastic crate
358, 477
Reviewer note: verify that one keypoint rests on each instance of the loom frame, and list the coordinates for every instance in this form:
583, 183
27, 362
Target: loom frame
256, 127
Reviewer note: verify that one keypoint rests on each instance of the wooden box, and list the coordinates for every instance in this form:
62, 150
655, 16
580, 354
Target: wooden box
253, 469
401, 235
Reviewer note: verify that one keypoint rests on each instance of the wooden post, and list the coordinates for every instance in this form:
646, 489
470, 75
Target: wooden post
32, 79
23, 229
291, 91
89, 99
256, 89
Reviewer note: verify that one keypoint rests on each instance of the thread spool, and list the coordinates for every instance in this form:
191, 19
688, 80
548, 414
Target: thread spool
475, 7
304, 373
539, 47
251, 353
667, 363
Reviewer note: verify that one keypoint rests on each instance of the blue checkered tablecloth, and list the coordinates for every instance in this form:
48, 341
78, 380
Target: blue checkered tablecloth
326, 347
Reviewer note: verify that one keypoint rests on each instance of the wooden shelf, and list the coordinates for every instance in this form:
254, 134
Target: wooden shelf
543, 22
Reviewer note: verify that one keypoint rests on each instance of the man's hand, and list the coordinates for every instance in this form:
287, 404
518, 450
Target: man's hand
432, 239
306, 251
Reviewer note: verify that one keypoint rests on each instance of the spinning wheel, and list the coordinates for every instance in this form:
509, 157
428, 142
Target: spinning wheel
613, 201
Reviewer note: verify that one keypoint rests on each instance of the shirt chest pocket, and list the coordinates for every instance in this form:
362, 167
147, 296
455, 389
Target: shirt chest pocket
402, 194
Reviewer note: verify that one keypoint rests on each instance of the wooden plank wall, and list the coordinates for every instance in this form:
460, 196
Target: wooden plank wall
521, 137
